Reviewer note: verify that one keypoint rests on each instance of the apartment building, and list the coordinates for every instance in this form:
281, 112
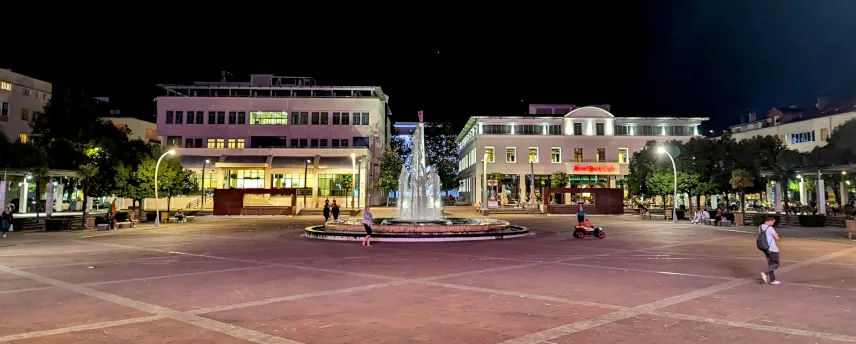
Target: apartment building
589, 143
22, 98
279, 132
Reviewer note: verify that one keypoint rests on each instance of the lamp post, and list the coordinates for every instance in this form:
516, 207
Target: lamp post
203, 183
532, 182
662, 150
157, 210
353, 176
305, 173
484, 184
357, 182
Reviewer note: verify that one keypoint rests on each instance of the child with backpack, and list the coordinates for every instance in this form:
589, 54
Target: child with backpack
766, 242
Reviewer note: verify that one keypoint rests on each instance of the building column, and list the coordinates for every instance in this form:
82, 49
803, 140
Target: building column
803, 193
821, 195
363, 167
22, 197
779, 198
58, 199
521, 196
612, 182
843, 191
49, 198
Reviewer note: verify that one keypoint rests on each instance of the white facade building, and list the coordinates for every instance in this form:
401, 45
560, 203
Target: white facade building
22, 98
803, 132
140, 129
260, 134
588, 143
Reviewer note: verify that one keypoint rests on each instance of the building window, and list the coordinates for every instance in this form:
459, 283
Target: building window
365, 118
344, 143
173, 141
200, 117
578, 128
357, 120
528, 129
212, 117
598, 128
221, 117
325, 118
511, 155
190, 118
26, 91
624, 155
25, 114
621, 130
303, 143
647, 130
322, 143
601, 155
824, 134
336, 118
22, 138
266, 118
231, 143
361, 141
489, 151
578, 154
4, 109
556, 155
554, 129
6, 86
533, 154
496, 129
233, 117
169, 117
179, 117
300, 118
281, 181
216, 143
346, 118
188, 143
335, 143
331, 184
316, 118
313, 143
294, 143
246, 179
802, 137
242, 117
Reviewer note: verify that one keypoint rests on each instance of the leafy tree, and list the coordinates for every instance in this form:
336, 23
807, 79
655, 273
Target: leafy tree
559, 179
784, 171
390, 171
137, 181
401, 147
441, 151
688, 183
841, 141
740, 180
642, 165
661, 183
347, 181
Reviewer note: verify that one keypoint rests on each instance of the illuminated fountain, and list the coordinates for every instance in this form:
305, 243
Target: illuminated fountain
420, 211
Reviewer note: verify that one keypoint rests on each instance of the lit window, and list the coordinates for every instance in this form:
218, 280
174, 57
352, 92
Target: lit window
6, 86
556, 155
578, 154
601, 154
25, 114
212, 143
489, 152
623, 155
240, 144
23, 138
533, 154
221, 143
267, 118
511, 155
231, 143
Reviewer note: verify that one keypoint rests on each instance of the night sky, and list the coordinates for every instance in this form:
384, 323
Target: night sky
712, 58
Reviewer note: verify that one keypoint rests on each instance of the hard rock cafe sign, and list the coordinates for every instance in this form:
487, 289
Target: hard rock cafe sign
604, 168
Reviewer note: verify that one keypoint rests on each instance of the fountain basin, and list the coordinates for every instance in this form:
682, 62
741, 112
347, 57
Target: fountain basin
444, 229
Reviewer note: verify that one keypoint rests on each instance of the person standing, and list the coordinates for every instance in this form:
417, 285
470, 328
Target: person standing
327, 210
6, 220
367, 221
766, 242
335, 211
581, 213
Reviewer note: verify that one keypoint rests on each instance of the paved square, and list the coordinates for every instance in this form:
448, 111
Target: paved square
256, 280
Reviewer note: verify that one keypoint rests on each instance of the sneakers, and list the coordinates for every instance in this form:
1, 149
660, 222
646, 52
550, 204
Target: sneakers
4, 235
764, 278
775, 282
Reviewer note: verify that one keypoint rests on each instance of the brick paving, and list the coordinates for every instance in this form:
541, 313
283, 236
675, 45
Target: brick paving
256, 280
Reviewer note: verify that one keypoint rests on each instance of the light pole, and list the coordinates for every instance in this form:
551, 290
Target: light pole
357, 182
353, 176
662, 150
157, 210
203, 183
484, 184
305, 173
532, 177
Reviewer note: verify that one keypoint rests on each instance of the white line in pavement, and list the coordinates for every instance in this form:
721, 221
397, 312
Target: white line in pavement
578, 326
36, 334
777, 329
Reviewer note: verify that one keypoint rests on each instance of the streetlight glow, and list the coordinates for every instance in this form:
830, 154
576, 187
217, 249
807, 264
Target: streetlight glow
157, 210
171, 152
661, 150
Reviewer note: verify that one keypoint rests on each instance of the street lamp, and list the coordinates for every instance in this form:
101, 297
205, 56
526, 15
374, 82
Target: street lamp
532, 176
357, 182
484, 184
202, 188
353, 176
662, 150
305, 173
157, 210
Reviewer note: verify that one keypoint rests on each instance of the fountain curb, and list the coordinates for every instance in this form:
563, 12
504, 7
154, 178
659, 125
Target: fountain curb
317, 232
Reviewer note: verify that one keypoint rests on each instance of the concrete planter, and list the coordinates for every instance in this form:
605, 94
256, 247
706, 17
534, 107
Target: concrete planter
851, 228
738, 219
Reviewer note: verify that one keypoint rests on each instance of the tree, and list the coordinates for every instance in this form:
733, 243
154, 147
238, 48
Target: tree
642, 165
441, 151
137, 181
390, 171
740, 180
784, 171
35, 160
688, 183
841, 141
559, 179
661, 183
347, 181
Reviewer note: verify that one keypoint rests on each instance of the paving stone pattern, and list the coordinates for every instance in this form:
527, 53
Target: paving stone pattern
256, 280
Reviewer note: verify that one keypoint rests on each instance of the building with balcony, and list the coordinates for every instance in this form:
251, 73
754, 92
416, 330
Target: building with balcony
588, 143
279, 132
799, 129
22, 98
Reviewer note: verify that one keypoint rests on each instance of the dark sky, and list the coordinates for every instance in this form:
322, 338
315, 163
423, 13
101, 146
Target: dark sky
710, 58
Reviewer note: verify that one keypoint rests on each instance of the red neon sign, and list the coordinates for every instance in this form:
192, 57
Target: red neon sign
594, 169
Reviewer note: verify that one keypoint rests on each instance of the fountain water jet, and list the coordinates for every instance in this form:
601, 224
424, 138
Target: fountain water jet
419, 185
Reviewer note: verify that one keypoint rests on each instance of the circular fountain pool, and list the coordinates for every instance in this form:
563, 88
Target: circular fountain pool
402, 230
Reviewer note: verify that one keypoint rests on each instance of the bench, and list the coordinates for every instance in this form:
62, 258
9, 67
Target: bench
175, 219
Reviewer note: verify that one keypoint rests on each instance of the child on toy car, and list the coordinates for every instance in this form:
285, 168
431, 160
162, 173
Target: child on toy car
587, 225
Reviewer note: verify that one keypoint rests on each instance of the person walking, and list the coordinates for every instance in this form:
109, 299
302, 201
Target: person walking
335, 211
581, 213
6, 220
766, 242
367, 221
327, 210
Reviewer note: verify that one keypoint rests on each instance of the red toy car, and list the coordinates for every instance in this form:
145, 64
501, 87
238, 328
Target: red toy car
587, 228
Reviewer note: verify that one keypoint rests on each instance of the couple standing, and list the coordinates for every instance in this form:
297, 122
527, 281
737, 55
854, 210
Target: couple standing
328, 210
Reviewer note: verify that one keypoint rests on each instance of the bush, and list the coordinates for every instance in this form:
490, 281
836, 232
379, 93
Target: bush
812, 220
758, 219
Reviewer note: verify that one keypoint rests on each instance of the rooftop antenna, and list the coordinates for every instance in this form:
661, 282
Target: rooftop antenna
223, 75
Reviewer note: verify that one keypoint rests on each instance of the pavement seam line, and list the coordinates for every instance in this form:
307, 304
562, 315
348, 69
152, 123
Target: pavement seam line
93, 326
768, 328
564, 330
214, 325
